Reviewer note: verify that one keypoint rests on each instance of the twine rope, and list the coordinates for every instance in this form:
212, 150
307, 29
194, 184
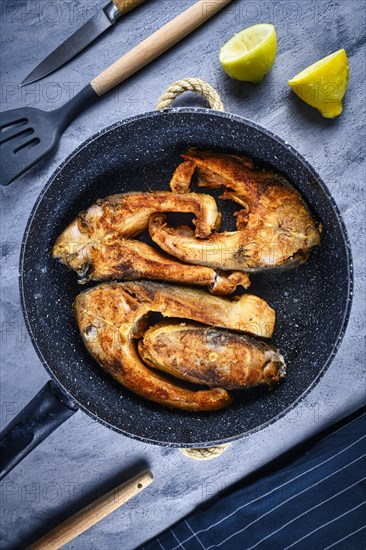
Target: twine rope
207, 453
190, 85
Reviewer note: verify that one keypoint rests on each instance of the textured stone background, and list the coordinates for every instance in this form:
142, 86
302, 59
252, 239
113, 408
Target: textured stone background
83, 458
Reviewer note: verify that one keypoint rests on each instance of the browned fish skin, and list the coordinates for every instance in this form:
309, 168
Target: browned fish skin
98, 244
111, 316
128, 259
275, 227
211, 356
127, 215
182, 176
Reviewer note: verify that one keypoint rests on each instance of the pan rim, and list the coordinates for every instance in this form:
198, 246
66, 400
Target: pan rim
346, 314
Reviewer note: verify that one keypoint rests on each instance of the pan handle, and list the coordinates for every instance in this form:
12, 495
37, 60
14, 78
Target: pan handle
43, 414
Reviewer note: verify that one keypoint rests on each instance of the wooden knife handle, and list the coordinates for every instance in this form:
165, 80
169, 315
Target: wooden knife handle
89, 516
156, 44
124, 6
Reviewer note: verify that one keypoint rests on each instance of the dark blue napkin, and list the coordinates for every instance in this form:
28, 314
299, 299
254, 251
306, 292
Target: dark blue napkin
313, 502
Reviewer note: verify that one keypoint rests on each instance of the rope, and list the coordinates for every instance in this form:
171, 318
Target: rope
190, 85
205, 454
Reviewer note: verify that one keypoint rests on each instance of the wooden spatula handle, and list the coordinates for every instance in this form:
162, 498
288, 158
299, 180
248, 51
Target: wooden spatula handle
89, 516
124, 6
156, 44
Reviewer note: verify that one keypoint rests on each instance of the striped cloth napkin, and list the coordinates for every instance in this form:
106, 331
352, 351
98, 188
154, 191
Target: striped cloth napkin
316, 501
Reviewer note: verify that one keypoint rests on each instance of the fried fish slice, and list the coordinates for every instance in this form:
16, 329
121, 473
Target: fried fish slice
126, 215
98, 244
129, 259
274, 226
211, 356
112, 315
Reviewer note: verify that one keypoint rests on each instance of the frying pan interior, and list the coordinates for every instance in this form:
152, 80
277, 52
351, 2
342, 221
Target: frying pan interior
312, 302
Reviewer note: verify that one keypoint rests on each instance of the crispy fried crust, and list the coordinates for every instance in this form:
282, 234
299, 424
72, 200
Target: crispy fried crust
127, 215
98, 244
211, 356
182, 176
111, 316
275, 227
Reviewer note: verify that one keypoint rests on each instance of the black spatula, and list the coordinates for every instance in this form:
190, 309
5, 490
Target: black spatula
28, 135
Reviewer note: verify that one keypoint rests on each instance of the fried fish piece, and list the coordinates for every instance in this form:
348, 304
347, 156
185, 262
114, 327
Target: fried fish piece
211, 356
182, 176
274, 226
111, 316
98, 244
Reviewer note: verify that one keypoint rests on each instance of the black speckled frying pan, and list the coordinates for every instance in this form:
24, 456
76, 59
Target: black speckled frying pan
312, 301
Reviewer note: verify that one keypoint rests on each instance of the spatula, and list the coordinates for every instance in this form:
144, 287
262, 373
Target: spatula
28, 135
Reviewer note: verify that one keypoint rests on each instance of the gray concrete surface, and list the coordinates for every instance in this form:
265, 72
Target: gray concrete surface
83, 458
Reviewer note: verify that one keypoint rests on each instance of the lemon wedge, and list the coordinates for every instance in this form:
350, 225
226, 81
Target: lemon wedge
323, 84
250, 54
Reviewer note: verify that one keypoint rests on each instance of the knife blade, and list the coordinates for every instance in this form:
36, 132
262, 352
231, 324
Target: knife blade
81, 38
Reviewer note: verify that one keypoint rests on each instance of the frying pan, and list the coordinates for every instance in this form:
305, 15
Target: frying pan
312, 302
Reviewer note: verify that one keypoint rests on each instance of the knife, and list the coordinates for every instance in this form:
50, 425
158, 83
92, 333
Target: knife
81, 38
